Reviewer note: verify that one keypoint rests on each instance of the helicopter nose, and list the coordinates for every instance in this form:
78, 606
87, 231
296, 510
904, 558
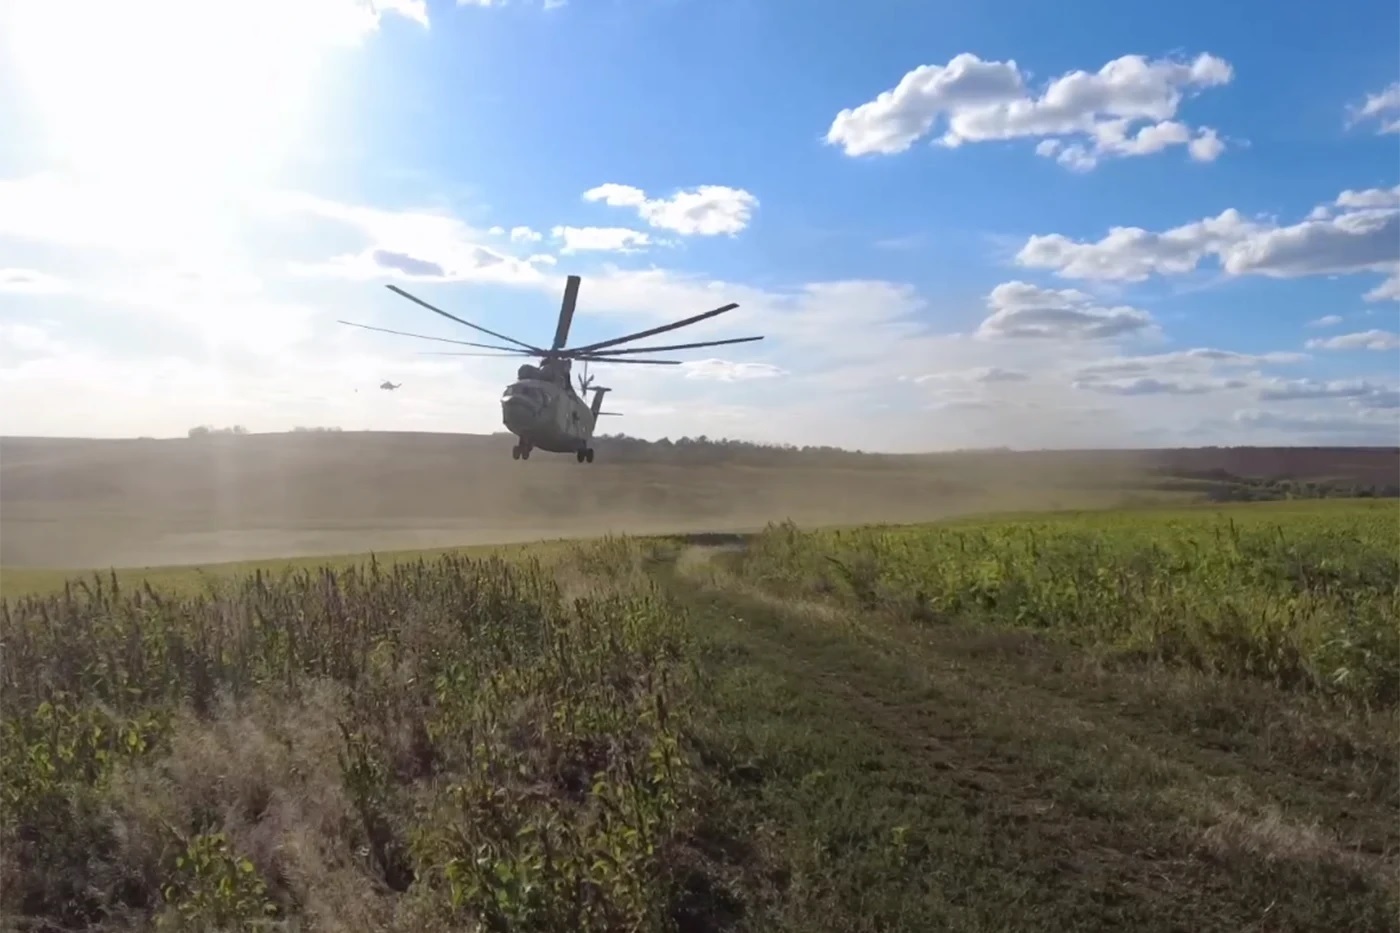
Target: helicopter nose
517, 412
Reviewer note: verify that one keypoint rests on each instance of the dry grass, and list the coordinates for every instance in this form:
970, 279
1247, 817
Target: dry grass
414, 747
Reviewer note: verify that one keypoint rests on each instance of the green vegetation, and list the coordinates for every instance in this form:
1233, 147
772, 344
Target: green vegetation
1301, 595
1155, 720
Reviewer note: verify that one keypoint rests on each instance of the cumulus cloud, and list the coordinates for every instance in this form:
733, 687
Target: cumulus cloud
1021, 310
1374, 339
1381, 108
1389, 290
1363, 235
1327, 320
406, 244
1126, 108
600, 239
709, 210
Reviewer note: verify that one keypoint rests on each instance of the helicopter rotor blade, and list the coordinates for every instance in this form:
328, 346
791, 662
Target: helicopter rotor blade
453, 317
615, 359
654, 330
404, 333
682, 346
566, 312
508, 354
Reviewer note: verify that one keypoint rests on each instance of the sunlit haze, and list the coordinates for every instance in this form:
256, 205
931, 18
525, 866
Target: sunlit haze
957, 224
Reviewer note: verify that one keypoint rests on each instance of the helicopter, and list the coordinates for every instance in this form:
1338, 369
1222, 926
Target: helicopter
541, 408
386, 384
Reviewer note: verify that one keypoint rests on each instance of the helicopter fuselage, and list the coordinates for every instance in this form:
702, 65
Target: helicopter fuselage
546, 415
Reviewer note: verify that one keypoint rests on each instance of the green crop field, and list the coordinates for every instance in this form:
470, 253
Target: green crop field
1161, 719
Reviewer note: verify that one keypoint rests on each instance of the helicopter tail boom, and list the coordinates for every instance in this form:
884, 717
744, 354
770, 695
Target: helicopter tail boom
597, 406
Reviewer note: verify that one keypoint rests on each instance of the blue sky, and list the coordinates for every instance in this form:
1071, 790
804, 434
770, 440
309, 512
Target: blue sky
914, 201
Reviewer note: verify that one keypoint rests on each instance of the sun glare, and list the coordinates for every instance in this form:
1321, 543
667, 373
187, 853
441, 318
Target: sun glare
183, 95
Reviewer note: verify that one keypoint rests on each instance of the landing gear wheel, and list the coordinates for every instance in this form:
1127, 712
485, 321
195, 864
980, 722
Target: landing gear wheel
578, 455
515, 452
588, 455
525, 453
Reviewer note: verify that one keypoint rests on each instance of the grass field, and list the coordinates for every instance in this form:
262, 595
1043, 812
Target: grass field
1162, 719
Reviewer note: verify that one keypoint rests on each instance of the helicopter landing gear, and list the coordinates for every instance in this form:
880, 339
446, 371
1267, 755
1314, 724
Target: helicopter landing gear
520, 452
585, 455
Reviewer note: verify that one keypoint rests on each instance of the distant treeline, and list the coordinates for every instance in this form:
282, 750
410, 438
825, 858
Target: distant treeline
1220, 485
208, 430
205, 430
704, 450
1224, 474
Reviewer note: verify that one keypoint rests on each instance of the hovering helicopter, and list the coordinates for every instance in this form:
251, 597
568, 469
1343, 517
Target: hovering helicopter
386, 384
541, 407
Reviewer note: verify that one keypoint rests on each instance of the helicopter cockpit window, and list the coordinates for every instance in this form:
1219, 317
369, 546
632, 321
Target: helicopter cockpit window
527, 393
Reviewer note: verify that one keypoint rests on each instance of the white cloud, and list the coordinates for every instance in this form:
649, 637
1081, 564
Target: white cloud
405, 244
1151, 385
1193, 372
709, 210
1377, 427
726, 371
1125, 109
1364, 340
601, 239
29, 340
1389, 290
259, 365
1020, 310
1327, 320
60, 209
1382, 107
218, 306
1357, 239
983, 374
1283, 390
1370, 197
31, 282
524, 235
163, 395
1195, 360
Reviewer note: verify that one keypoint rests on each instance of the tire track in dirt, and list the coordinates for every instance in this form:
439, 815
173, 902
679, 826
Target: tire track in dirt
1145, 824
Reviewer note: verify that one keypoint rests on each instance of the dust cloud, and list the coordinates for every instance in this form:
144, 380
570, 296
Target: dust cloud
73, 503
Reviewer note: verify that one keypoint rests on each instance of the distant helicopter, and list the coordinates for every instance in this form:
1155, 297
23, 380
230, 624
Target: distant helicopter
386, 384
541, 407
